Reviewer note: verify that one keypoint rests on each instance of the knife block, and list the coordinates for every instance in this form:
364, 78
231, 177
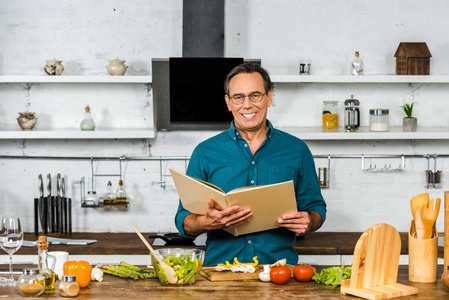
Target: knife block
422, 256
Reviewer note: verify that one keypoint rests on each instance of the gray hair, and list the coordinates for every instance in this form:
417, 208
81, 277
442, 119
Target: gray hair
249, 68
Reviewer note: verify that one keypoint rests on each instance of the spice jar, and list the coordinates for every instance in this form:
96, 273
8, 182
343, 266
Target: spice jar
330, 114
352, 114
378, 119
31, 283
68, 287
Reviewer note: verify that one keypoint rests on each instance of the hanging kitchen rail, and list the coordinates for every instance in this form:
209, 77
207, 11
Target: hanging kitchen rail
162, 176
386, 168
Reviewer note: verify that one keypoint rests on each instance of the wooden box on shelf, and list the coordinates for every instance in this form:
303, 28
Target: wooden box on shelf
412, 59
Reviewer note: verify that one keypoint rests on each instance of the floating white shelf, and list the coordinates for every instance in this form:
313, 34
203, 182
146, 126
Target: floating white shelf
274, 78
75, 79
395, 133
70, 134
360, 79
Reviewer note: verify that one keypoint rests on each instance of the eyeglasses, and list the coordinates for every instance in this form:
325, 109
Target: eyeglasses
255, 97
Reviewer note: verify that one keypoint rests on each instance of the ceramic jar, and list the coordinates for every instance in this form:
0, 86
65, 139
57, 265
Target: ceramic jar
116, 67
54, 67
27, 120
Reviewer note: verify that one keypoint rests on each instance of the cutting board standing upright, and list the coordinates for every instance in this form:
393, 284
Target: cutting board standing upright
375, 265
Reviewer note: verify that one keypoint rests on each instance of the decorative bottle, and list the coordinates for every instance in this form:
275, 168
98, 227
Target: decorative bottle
47, 273
87, 123
357, 65
120, 195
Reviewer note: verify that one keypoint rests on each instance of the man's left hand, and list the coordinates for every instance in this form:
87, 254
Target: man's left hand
301, 221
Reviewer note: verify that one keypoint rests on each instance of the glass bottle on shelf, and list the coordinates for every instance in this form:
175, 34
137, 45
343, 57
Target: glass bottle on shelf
44, 269
87, 123
109, 198
120, 195
356, 65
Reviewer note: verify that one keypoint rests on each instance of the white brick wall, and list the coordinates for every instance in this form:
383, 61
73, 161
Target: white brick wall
86, 34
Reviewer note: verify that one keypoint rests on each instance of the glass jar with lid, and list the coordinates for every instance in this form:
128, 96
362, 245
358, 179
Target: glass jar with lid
330, 114
378, 119
352, 114
69, 287
31, 283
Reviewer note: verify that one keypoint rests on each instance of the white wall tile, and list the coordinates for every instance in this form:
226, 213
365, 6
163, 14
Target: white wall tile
86, 34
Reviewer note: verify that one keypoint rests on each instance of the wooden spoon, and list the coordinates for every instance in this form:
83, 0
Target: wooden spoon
429, 215
169, 272
418, 201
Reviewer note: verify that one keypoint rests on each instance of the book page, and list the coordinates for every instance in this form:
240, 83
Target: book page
268, 203
246, 188
194, 193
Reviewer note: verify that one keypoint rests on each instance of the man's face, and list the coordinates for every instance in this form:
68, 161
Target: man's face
248, 116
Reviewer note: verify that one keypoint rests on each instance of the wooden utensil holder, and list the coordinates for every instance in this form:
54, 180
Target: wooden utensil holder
423, 256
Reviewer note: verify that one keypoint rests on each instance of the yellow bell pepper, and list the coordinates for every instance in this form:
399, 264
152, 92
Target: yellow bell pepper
236, 262
254, 264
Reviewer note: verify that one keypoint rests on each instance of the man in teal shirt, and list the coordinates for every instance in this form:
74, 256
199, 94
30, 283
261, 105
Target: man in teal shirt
252, 152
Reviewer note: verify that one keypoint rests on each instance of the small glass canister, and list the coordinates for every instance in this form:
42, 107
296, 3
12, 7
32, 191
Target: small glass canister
330, 114
378, 119
69, 287
31, 283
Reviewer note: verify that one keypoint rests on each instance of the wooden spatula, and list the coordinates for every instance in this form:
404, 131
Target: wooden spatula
419, 225
418, 201
169, 272
429, 215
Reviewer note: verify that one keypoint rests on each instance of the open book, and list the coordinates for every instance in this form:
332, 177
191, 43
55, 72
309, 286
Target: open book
267, 202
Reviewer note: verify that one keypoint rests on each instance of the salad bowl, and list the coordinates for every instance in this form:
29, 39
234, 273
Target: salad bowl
187, 264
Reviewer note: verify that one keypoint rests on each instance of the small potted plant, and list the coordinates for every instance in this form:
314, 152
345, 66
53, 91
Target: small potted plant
409, 123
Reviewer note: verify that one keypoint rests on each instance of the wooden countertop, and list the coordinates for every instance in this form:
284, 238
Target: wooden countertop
315, 243
118, 288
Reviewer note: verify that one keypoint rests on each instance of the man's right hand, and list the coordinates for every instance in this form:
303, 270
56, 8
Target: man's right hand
215, 219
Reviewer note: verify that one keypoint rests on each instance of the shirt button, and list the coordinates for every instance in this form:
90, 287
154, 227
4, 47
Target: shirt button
253, 162
252, 181
246, 145
249, 242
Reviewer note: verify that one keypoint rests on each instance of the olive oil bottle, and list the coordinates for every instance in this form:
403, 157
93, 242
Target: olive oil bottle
120, 196
47, 273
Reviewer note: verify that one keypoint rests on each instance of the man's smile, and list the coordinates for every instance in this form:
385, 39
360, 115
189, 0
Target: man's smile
248, 115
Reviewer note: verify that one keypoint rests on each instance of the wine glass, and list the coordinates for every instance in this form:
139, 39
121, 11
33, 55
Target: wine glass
11, 239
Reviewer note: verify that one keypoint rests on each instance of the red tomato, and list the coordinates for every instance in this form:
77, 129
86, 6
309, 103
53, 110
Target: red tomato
280, 275
303, 273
